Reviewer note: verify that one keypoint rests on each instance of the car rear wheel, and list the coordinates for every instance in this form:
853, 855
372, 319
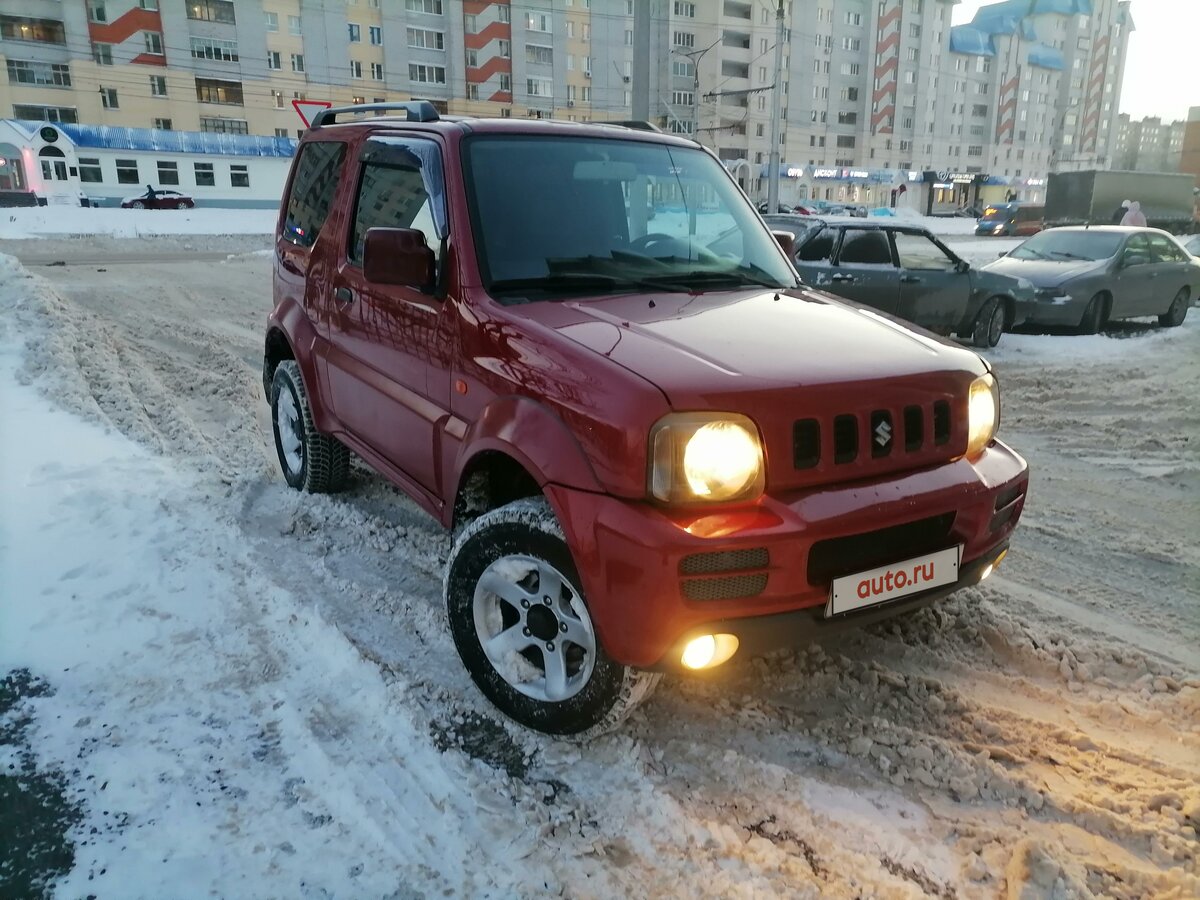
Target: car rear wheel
989, 324
310, 461
182, 204
522, 627
1174, 316
1093, 316
137, 204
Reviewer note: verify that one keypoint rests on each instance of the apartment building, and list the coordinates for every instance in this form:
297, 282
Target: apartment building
1149, 145
1189, 160
877, 94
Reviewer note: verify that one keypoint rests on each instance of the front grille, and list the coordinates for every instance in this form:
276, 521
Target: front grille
835, 557
724, 561
726, 587
887, 431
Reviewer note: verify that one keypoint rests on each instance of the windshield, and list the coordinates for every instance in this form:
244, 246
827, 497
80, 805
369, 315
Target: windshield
1060, 245
555, 216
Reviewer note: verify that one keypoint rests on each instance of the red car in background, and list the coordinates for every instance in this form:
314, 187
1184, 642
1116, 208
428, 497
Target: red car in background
154, 198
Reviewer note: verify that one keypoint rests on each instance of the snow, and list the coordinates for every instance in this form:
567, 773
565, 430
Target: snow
30, 222
254, 692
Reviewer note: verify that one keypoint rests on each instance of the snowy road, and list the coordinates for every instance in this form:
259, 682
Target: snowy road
248, 692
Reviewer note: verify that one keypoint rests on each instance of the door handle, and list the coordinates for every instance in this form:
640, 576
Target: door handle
343, 295
910, 279
842, 278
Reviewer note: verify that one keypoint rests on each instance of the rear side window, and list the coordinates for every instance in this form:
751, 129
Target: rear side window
865, 248
317, 174
819, 248
1164, 249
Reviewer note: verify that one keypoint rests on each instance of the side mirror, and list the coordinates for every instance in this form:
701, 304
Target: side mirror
1133, 259
398, 256
786, 241
962, 266
1002, 254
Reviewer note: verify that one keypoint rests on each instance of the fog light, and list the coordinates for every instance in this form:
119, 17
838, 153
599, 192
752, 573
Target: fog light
987, 571
708, 650
996, 561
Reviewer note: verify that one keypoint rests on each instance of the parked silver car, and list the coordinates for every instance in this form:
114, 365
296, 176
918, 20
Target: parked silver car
1086, 277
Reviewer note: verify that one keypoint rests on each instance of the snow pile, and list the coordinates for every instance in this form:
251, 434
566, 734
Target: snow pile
19, 223
937, 224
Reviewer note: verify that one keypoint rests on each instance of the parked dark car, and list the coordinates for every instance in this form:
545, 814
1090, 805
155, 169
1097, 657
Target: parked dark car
158, 199
653, 453
1088, 276
1011, 219
904, 270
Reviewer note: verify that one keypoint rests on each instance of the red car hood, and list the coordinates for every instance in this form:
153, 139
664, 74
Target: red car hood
699, 348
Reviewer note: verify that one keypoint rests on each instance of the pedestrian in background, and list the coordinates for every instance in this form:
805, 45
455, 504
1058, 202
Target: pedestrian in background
1134, 216
1119, 213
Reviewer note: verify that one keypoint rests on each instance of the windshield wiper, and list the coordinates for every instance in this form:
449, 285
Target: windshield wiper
1067, 254
1024, 250
692, 280
563, 282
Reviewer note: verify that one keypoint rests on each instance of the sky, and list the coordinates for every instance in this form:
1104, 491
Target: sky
1164, 40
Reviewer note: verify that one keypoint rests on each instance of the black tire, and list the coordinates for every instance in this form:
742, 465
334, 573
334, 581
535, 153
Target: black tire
137, 204
1093, 317
182, 204
1174, 316
528, 528
989, 323
324, 465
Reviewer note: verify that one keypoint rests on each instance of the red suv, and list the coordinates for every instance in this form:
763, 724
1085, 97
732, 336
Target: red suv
579, 347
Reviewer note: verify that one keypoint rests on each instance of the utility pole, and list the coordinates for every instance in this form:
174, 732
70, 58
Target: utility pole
641, 61
776, 115
694, 56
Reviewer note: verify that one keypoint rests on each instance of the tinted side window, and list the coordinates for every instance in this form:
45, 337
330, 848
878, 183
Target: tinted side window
318, 172
865, 247
819, 248
1165, 249
392, 196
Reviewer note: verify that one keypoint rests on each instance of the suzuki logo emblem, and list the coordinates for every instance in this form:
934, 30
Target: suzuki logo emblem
883, 434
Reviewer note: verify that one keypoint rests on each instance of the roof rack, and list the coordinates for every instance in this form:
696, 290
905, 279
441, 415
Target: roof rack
636, 125
417, 110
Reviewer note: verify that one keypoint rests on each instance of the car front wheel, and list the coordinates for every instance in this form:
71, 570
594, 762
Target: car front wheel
989, 324
1093, 316
522, 628
137, 204
1174, 316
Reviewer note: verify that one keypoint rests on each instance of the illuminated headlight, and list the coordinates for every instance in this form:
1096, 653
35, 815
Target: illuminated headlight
705, 458
983, 414
999, 229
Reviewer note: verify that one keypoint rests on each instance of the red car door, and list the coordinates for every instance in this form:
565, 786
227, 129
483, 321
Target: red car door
384, 337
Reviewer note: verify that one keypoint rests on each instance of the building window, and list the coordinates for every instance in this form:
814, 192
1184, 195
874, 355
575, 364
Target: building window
377, 71
211, 11
272, 21
433, 7
108, 98
845, 140
375, 35
214, 49
294, 25
204, 175
281, 132
273, 61
975, 150
683, 69
355, 69
158, 86
239, 176
97, 11
277, 96
683, 39
539, 87
426, 39
34, 113
914, 31
127, 172
849, 68
470, 24
154, 42
48, 74
297, 62
221, 125
853, 18
687, 10
539, 55
472, 92
162, 124
683, 98
426, 74
506, 84
504, 48
89, 170
102, 54
355, 32
212, 90
849, 93
538, 22
504, 14
38, 31
848, 118
849, 43
168, 172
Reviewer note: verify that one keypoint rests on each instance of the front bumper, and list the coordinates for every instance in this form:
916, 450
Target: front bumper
1065, 310
655, 577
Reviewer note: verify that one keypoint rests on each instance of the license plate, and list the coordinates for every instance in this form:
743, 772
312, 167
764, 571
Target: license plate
900, 579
